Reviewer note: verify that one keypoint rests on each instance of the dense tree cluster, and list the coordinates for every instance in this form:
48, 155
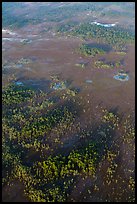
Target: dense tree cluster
90, 51
115, 36
34, 127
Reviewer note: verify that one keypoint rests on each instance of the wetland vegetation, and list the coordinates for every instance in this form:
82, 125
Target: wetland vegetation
107, 65
87, 50
68, 127
117, 37
33, 128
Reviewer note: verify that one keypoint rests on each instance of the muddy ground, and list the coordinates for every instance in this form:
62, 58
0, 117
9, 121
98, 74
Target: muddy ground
53, 55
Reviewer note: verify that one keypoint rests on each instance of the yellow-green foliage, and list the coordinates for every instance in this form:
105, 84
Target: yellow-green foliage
31, 130
111, 118
76, 163
131, 183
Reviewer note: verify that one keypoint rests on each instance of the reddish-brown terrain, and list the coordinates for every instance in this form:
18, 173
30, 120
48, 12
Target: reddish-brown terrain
51, 54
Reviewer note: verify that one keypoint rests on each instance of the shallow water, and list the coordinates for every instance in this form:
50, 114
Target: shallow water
121, 77
16, 39
19, 65
88, 81
19, 83
25, 41
58, 86
8, 32
8, 39
104, 25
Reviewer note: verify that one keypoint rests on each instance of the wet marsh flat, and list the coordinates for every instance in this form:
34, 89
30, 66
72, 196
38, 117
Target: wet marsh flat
58, 61
68, 131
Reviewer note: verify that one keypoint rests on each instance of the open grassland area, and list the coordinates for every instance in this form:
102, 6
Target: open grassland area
68, 126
